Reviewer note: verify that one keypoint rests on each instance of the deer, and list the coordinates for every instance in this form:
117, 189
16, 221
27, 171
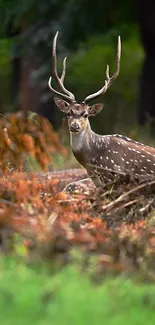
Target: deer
104, 157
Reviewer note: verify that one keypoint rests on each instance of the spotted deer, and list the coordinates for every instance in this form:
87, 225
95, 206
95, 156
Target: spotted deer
103, 156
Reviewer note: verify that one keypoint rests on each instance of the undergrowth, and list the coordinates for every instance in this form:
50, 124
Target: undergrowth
73, 251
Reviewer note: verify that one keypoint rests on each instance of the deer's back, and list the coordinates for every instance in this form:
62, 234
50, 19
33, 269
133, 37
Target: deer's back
112, 155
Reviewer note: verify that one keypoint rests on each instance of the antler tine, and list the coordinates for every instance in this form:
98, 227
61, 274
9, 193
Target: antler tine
63, 70
66, 97
60, 81
109, 80
115, 75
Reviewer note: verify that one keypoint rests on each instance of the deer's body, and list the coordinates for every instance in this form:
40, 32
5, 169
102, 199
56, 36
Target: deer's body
104, 157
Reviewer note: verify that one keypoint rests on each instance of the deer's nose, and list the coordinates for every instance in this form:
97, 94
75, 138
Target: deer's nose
74, 127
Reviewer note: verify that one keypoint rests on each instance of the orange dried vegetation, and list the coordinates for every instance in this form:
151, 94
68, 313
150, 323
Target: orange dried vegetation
52, 222
23, 135
115, 224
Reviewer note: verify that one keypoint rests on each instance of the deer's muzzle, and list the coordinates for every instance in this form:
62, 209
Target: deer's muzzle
75, 127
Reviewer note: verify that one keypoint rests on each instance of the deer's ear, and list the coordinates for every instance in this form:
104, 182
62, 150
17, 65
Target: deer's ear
95, 109
62, 104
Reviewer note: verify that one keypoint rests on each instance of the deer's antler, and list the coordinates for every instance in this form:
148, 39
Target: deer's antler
109, 79
66, 94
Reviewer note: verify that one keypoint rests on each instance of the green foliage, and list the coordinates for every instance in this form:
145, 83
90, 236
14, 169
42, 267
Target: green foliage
71, 17
5, 69
28, 296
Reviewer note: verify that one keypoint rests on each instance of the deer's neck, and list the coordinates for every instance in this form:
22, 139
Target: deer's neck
81, 141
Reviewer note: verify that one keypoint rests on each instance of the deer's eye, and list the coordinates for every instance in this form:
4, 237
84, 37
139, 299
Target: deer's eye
85, 115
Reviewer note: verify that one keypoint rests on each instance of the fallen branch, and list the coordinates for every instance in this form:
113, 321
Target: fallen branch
124, 195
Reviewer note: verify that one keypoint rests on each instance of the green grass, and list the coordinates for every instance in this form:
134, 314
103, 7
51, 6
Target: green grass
33, 296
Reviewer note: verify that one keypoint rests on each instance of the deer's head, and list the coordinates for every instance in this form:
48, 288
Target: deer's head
78, 114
